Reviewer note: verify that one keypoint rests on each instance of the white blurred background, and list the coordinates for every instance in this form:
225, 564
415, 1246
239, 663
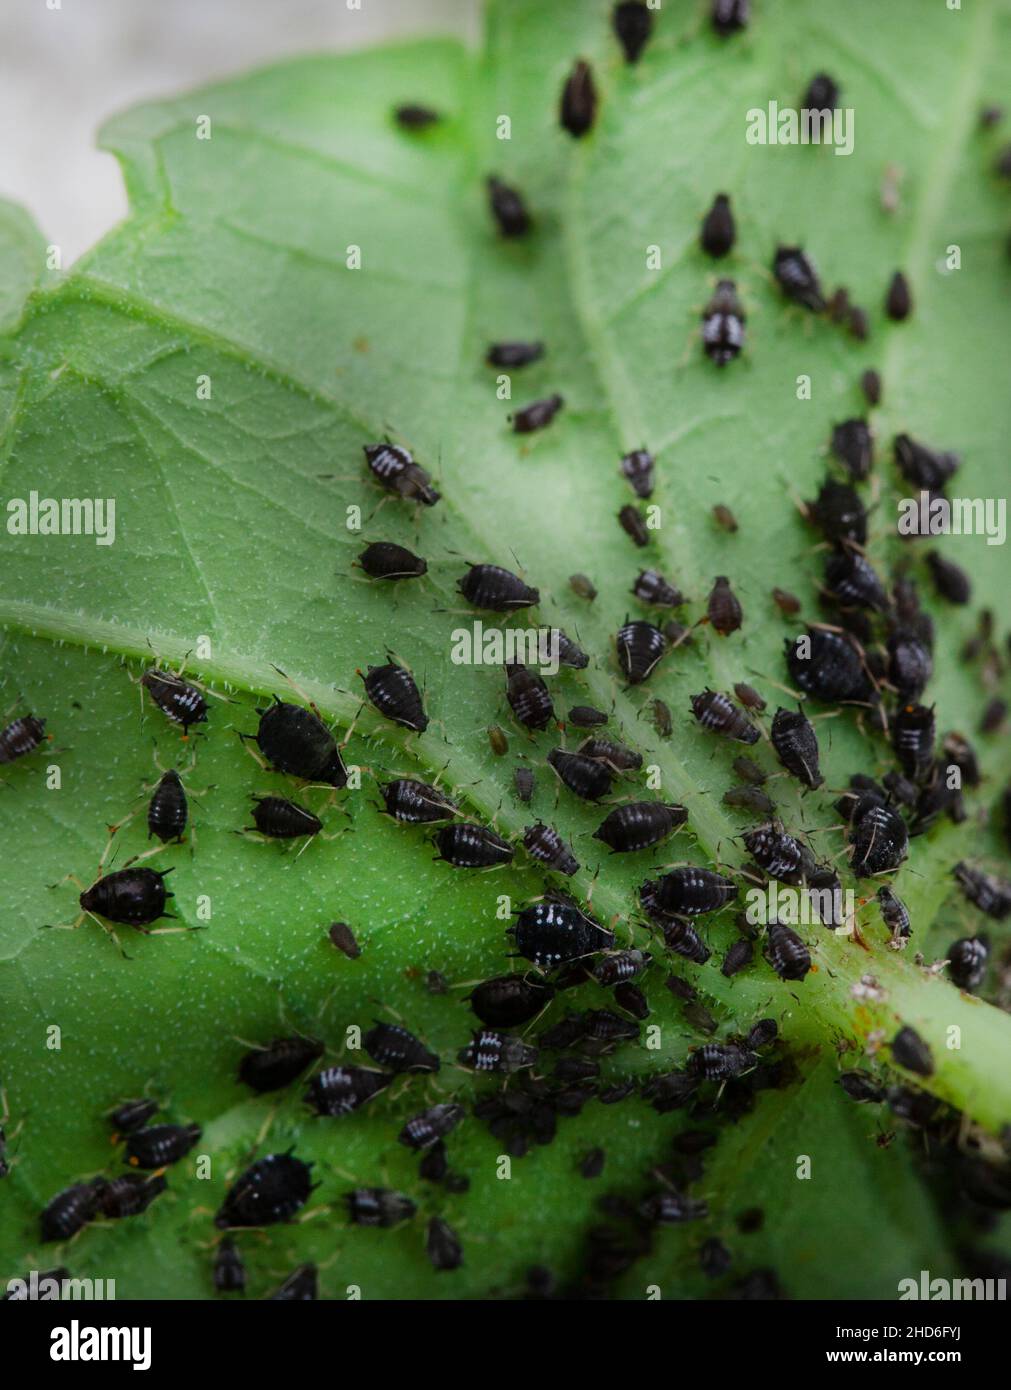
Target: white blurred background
64, 70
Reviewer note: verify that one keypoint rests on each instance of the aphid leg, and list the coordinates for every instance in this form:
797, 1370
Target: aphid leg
147, 854
245, 739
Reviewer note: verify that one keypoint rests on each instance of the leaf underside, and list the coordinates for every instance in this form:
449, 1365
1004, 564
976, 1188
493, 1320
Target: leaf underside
231, 527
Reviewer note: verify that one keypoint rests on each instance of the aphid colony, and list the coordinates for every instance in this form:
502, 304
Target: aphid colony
873, 653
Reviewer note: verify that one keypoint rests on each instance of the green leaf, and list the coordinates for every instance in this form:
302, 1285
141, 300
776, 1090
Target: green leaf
231, 537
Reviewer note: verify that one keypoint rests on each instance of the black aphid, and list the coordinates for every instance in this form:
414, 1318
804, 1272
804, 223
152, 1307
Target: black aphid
431, 1125
749, 696
622, 966
617, 755
605, 1026
132, 1115
638, 468
340, 1091
749, 798
583, 587
894, 914
651, 588
129, 1195
270, 1191
295, 740
394, 469
899, 788
993, 715
387, 560
301, 1286
838, 513
378, 1206
723, 320
469, 846
167, 810
910, 1051
524, 782
687, 892
720, 1061
899, 298
343, 938
578, 105
822, 93
992, 895
159, 1145
491, 1050
586, 717
923, 467
718, 713
714, 1258
508, 208
279, 1063
640, 646
662, 721
416, 803
786, 953
796, 746
543, 842
781, 856
181, 702
528, 696
738, 957
497, 741
396, 1049
442, 1246
496, 589
950, 580
550, 933
569, 654
764, 1032
851, 579
967, 961
631, 521
506, 1001
134, 897
858, 323
910, 664
588, 778
636, 825
960, 753
70, 1211
870, 385
514, 354
853, 445
787, 603
678, 935
413, 116
717, 234
913, 740
880, 841
729, 16
393, 691
723, 609
630, 997
633, 23
21, 736
229, 1269
798, 278
281, 819
827, 665
537, 414
861, 1087
591, 1165
749, 771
